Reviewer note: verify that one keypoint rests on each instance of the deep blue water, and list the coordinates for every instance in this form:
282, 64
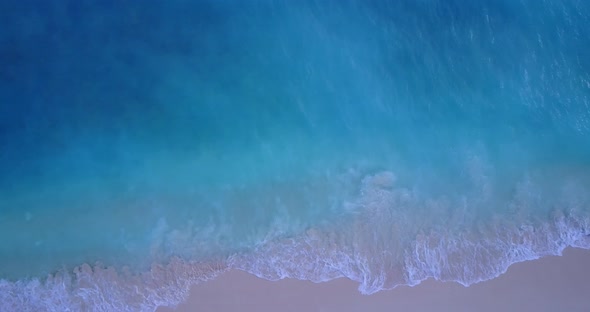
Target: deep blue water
384, 141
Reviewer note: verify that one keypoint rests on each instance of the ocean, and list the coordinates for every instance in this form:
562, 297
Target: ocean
146, 146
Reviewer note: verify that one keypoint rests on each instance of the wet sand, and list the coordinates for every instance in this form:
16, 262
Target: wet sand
554, 283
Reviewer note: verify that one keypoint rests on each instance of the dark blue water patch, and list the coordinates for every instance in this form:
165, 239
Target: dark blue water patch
435, 53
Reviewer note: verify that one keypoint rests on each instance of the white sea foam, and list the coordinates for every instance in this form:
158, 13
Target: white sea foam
381, 247
104, 289
448, 258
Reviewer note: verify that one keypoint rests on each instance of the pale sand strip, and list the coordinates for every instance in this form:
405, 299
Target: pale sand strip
548, 284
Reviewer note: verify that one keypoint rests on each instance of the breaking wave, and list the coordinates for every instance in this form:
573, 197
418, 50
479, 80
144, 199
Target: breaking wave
375, 244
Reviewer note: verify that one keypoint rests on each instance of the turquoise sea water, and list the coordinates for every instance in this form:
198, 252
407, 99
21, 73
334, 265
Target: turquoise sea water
146, 146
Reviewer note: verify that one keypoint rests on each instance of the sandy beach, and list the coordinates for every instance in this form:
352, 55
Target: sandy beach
555, 283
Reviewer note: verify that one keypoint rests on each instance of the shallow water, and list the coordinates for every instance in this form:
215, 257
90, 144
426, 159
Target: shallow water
159, 144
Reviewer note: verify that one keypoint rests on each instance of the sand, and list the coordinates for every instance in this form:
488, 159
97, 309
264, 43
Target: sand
555, 283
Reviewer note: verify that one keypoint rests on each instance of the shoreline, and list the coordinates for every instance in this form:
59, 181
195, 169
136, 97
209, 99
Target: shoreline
552, 283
